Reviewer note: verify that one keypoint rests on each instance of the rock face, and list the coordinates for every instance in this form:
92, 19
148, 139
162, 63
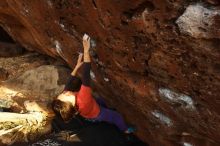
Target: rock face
199, 22
157, 61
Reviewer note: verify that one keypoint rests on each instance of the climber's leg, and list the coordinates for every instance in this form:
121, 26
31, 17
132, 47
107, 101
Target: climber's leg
112, 117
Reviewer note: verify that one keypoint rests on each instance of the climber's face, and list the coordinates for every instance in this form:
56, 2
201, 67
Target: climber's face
67, 96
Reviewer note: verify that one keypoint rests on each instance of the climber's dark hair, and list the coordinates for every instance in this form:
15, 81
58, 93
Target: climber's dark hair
66, 110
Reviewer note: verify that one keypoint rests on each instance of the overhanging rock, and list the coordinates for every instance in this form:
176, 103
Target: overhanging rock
140, 50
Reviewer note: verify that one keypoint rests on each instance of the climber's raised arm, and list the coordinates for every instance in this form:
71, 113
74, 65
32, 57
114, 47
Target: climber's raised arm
78, 65
87, 61
86, 47
85, 92
73, 79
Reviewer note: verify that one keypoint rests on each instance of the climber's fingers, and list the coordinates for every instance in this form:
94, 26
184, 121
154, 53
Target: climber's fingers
85, 37
88, 39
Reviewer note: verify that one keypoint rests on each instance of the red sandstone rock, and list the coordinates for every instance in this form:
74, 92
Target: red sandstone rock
147, 64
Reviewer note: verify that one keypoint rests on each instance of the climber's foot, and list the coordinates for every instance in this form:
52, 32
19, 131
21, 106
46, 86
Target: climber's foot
130, 130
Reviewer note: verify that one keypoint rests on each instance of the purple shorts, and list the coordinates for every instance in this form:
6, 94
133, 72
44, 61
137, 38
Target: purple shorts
110, 116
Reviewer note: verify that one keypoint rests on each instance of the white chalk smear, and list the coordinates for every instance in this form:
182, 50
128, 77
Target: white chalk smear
93, 43
26, 10
63, 27
177, 97
58, 49
187, 144
164, 119
106, 79
92, 75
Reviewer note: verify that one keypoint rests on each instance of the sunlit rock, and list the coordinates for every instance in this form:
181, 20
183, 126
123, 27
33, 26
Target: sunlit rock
42, 80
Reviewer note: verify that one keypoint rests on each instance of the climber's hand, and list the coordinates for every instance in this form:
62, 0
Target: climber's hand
86, 43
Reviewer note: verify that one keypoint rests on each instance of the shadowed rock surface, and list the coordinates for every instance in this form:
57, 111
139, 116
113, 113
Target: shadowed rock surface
9, 50
157, 62
3, 74
100, 134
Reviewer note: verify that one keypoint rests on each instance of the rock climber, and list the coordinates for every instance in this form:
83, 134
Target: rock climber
77, 97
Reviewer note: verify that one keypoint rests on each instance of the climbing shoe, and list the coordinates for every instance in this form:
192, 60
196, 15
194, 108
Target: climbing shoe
130, 130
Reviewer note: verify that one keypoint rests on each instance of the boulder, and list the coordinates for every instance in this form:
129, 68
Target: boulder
200, 22
157, 62
45, 80
28, 98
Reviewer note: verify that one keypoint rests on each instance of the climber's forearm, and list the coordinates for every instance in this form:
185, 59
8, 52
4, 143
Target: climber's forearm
86, 57
74, 72
72, 77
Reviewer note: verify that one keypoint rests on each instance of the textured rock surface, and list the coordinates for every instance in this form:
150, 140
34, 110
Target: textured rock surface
3, 74
199, 22
45, 80
159, 70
